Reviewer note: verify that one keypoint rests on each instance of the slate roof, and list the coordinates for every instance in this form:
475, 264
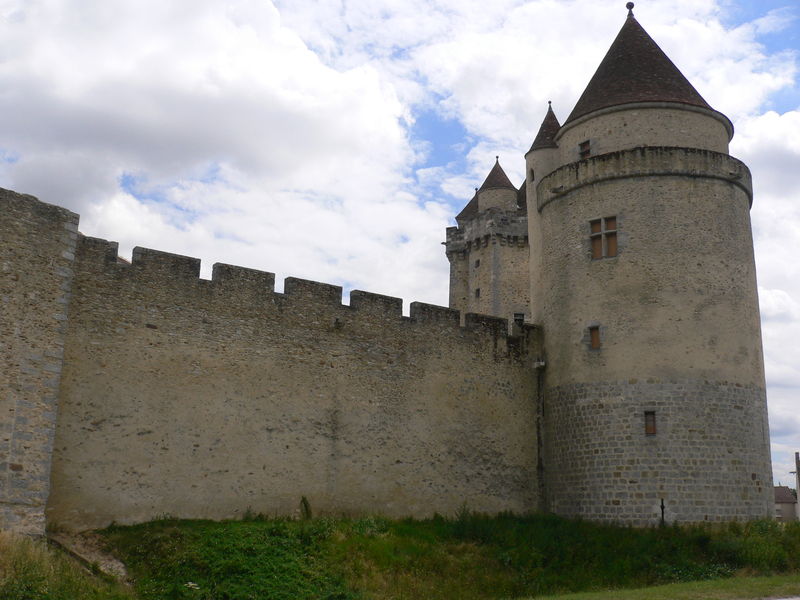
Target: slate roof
522, 199
784, 495
635, 69
497, 178
546, 138
470, 210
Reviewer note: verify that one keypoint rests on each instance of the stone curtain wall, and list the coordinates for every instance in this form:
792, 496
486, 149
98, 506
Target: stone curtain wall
37, 244
204, 399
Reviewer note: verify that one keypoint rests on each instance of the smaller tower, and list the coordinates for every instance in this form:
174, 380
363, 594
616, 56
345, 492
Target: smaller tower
540, 160
488, 251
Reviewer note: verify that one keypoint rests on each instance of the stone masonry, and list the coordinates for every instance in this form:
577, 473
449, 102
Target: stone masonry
36, 257
630, 387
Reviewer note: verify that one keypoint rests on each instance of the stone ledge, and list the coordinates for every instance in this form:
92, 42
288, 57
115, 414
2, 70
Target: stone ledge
645, 161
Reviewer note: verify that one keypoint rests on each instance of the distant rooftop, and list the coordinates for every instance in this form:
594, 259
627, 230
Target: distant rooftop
497, 178
784, 495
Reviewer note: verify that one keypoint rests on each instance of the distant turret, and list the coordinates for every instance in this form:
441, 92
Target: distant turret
488, 251
540, 160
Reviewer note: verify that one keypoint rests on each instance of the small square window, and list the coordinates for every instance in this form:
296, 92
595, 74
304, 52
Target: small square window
649, 422
594, 337
519, 318
585, 149
603, 236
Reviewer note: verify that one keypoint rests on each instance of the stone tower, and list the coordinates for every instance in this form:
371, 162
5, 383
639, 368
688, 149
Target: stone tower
488, 251
643, 279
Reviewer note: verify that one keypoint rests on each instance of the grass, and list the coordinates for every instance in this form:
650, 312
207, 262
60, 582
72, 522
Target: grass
468, 557
30, 570
737, 588
254, 559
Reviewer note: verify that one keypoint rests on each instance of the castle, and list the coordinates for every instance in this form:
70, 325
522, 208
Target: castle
629, 386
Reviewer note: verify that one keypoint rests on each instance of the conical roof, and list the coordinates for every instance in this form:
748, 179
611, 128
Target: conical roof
497, 178
546, 138
470, 210
635, 69
522, 197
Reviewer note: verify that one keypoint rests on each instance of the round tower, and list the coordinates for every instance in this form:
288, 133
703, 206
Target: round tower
654, 393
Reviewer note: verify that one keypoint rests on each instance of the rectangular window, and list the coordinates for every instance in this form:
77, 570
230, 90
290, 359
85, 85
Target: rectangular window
477, 292
477, 263
585, 149
594, 337
650, 422
519, 318
532, 175
603, 235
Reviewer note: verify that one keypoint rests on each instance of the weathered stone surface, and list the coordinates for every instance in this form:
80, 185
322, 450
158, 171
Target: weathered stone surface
489, 262
706, 459
205, 398
676, 310
37, 245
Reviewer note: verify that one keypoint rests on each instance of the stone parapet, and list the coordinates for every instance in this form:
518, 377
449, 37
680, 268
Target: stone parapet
645, 161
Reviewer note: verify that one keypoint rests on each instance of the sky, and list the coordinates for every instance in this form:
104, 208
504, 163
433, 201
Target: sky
335, 140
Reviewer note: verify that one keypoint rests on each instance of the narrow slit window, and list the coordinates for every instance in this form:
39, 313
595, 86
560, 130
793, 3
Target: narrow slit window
603, 236
477, 292
594, 337
585, 149
477, 263
649, 422
532, 175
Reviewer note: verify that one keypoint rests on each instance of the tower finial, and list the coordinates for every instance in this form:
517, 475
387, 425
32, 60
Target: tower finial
497, 158
549, 102
629, 6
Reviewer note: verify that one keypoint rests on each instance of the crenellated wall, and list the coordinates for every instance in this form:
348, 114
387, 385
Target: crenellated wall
205, 398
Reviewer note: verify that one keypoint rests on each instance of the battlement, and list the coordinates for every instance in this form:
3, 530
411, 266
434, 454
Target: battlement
507, 228
155, 262
242, 280
173, 281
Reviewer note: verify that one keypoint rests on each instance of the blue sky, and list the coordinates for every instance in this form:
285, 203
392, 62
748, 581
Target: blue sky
336, 139
786, 38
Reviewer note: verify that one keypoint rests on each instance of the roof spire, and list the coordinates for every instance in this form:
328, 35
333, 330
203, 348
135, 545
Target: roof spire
497, 178
548, 130
629, 6
635, 70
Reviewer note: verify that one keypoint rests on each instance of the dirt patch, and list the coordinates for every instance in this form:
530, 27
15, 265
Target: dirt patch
89, 548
